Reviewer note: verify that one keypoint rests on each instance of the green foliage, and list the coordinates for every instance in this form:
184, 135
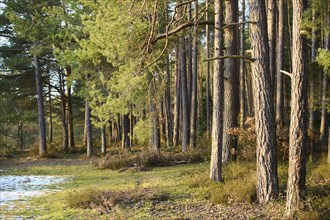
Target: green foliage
323, 58
142, 131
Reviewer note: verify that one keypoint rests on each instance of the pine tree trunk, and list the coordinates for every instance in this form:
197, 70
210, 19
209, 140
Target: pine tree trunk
194, 97
311, 81
70, 115
103, 141
168, 105
126, 129
110, 137
217, 118
279, 76
119, 128
189, 54
89, 140
154, 116
298, 122
50, 126
177, 100
271, 26
208, 89
267, 183
324, 116
65, 140
242, 69
230, 112
184, 95
41, 109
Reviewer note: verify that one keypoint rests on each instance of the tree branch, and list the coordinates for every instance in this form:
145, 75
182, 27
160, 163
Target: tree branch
232, 56
286, 73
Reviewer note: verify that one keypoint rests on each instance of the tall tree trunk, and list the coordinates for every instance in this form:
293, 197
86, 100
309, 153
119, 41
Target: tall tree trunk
111, 125
41, 109
103, 140
70, 115
231, 81
162, 119
177, 100
279, 76
189, 49
242, 69
298, 122
324, 116
65, 139
126, 128
154, 116
267, 183
184, 89
217, 117
119, 129
271, 26
89, 138
168, 105
131, 127
311, 81
194, 97
19, 136
50, 126
208, 89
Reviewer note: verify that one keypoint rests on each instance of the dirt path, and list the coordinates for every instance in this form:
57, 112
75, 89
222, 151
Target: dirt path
35, 161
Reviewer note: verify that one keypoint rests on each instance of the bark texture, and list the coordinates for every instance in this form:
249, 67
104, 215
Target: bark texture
298, 122
217, 118
88, 125
194, 104
230, 112
41, 109
267, 183
242, 69
208, 89
279, 64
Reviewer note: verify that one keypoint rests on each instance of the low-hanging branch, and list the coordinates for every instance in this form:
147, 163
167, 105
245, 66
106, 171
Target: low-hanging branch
191, 24
286, 73
232, 56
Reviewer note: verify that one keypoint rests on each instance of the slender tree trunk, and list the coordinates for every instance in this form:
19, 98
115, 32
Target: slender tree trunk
231, 81
119, 129
329, 146
298, 122
242, 69
168, 105
131, 127
103, 140
279, 76
324, 116
41, 109
208, 89
162, 120
110, 131
19, 136
65, 139
271, 26
50, 126
311, 80
194, 97
154, 116
126, 139
189, 49
216, 154
70, 115
267, 183
88, 125
184, 95
177, 101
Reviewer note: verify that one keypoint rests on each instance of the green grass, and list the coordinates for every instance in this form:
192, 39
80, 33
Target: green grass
83, 196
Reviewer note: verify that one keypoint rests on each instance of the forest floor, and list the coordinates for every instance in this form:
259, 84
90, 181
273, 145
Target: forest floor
176, 192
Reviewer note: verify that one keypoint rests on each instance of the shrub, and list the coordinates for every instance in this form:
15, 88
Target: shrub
152, 159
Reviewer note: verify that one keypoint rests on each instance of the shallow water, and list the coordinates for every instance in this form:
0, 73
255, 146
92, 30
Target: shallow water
19, 187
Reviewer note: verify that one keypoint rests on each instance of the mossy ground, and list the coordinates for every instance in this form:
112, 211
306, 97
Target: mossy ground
174, 192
